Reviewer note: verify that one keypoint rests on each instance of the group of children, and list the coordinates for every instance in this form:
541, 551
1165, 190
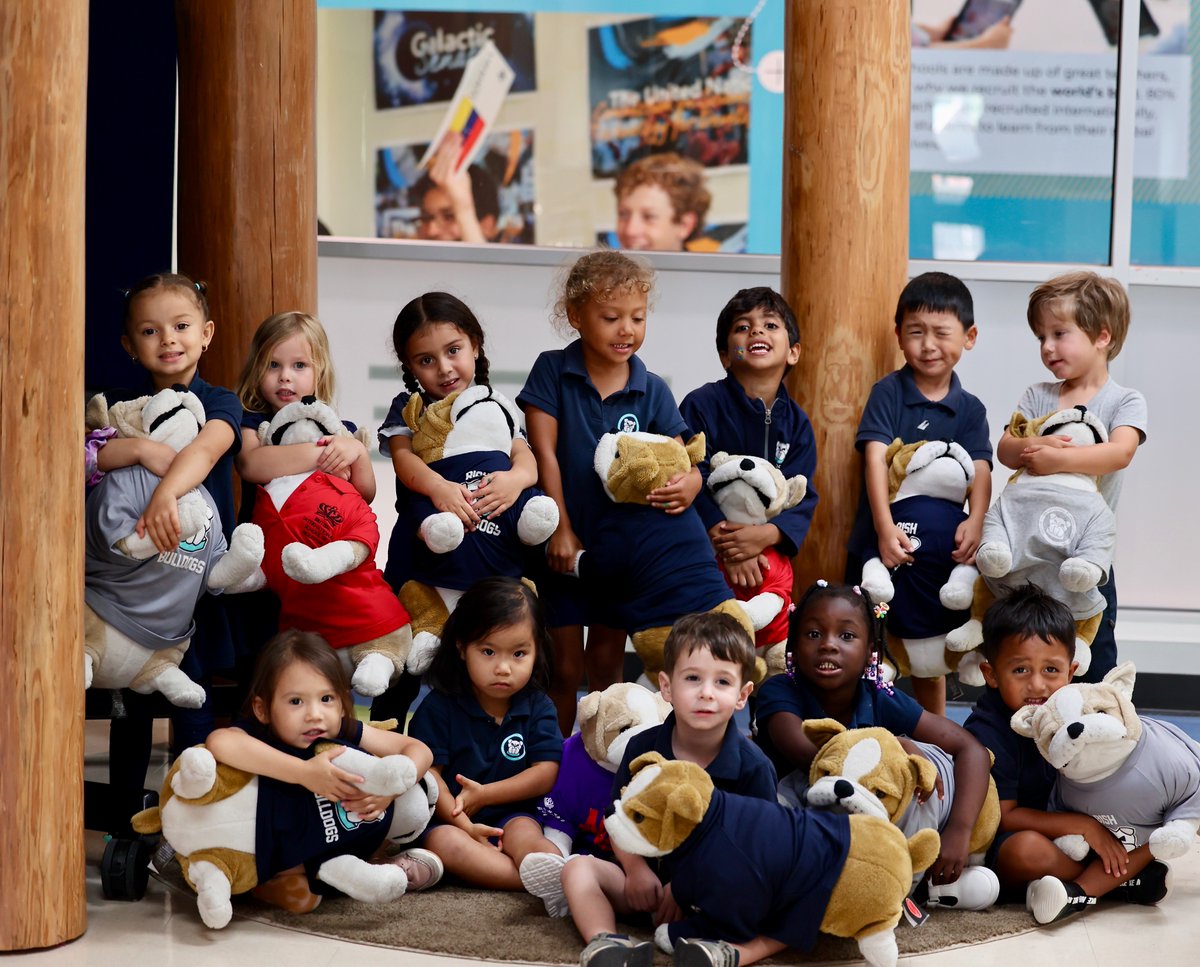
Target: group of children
504, 683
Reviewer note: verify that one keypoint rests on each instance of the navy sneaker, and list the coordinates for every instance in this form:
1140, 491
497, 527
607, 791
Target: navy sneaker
1051, 899
1148, 887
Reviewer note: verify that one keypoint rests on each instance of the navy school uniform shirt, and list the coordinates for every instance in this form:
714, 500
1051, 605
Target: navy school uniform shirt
780, 433
880, 705
465, 740
1021, 774
559, 386
896, 408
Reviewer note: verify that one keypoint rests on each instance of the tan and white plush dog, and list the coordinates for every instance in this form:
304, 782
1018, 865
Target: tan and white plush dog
209, 815
868, 772
751, 490
319, 531
1137, 776
138, 615
657, 567
745, 867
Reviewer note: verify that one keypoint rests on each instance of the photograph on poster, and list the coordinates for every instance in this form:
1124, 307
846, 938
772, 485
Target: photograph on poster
420, 56
667, 84
409, 204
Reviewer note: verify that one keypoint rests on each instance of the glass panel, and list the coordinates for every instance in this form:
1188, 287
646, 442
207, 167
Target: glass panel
1013, 129
1166, 187
597, 86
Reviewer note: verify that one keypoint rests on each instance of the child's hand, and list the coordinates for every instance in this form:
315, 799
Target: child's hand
485, 834
160, 520
668, 910
452, 498
470, 799
496, 494
966, 541
368, 808
338, 454
922, 797
948, 867
895, 548
441, 172
735, 543
321, 776
1108, 848
643, 890
677, 494
1043, 457
747, 574
562, 550
156, 457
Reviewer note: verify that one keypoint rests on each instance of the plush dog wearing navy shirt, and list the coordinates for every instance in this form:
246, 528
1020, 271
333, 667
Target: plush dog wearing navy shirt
745, 867
465, 437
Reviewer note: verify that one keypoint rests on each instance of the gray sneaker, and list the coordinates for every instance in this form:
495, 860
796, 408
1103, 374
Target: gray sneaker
616, 950
705, 953
422, 867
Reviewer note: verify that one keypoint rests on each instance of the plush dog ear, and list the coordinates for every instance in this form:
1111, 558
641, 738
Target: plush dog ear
1022, 427
645, 759
797, 487
717, 459
695, 448
687, 803
893, 448
1121, 678
589, 705
96, 414
412, 411
363, 436
820, 731
1022, 720
264, 431
924, 772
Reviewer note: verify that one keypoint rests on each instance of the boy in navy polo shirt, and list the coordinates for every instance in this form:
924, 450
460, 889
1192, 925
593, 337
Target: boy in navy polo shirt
923, 400
1029, 654
708, 660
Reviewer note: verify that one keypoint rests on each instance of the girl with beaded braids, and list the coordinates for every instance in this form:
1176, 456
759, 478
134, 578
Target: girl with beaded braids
835, 634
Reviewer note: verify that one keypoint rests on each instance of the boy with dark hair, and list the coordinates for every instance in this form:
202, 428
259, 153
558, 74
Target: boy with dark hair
923, 400
708, 659
1029, 654
462, 206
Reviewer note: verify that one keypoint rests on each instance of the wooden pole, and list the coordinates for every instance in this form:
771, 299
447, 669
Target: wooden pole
845, 234
43, 60
247, 164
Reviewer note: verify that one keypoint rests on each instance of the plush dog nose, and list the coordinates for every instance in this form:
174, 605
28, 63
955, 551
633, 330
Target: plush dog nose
1075, 730
746, 464
843, 789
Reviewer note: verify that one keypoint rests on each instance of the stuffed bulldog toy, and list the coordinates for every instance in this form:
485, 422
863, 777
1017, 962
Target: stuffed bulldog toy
139, 603
319, 530
1052, 530
1139, 777
867, 772
750, 490
232, 830
465, 437
655, 566
928, 482
742, 867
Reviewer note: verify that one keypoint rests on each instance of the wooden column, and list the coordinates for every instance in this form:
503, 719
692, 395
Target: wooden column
247, 164
43, 60
845, 233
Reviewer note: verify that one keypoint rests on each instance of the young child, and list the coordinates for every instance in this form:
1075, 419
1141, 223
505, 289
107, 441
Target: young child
1080, 320
300, 696
572, 397
1029, 651
708, 661
661, 202
493, 732
835, 637
923, 400
750, 412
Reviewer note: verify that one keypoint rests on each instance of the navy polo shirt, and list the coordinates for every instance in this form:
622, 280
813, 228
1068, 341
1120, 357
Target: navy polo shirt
896, 408
740, 767
466, 741
775, 881
1021, 774
875, 705
781, 433
559, 386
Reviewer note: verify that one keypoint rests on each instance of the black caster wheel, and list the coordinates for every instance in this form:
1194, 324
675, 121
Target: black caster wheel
125, 869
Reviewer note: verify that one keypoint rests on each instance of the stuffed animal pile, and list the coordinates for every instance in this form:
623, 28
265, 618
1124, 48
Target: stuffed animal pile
139, 603
319, 530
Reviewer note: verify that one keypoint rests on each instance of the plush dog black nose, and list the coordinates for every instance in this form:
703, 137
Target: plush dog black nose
1075, 730
843, 789
746, 464
308, 400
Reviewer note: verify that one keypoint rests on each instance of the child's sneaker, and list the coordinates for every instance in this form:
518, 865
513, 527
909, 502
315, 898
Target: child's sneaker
616, 950
541, 875
422, 867
976, 888
705, 953
1051, 899
1148, 887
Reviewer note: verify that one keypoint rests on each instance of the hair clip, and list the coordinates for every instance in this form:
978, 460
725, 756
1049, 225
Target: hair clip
822, 583
857, 590
789, 666
881, 610
125, 293
791, 608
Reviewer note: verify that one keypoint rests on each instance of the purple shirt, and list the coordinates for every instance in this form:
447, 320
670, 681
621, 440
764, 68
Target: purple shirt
577, 803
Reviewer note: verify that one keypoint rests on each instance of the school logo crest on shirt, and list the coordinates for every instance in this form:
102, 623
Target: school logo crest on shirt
781, 452
197, 541
513, 747
1057, 526
628, 423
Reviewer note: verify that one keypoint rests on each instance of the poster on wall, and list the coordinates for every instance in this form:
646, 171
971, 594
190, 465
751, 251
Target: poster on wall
420, 56
668, 84
408, 203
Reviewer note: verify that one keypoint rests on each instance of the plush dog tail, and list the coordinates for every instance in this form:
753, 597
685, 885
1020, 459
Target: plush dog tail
147, 821
923, 848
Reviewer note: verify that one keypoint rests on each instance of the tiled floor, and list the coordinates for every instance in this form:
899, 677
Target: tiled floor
163, 929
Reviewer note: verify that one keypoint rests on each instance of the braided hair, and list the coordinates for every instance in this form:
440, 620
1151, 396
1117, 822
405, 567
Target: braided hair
874, 615
430, 309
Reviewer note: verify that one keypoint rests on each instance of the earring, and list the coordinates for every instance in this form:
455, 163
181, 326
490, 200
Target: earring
203, 349
133, 359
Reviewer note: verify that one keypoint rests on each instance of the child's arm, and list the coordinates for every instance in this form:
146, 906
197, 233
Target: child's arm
969, 532
972, 767
894, 546
1055, 454
1014, 818
160, 519
677, 494
1008, 450
121, 452
564, 545
643, 888
319, 774
531, 783
414, 473
786, 730
381, 742
445, 812
501, 489
348, 457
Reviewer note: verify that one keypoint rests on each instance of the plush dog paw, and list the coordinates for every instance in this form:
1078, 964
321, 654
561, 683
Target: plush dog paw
966, 636
538, 520
1083, 657
193, 516
442, 533
1076, 574
420, 655
87, 671
213, 894
662, 939
363, 881
877, 581
372, 675
993, 560
1172, 841
197, 773
392, 775
959, 589
178, 688
969, 672
1073, 845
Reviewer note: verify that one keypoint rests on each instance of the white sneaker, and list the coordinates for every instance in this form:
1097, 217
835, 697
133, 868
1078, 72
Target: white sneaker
541, 875
976, 888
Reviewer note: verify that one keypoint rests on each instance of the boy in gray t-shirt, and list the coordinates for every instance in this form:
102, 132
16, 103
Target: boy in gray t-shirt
1080, 320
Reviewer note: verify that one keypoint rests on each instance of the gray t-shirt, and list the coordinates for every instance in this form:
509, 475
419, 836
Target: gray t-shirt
149, 601
1159, 782
934, 812
1112, 405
